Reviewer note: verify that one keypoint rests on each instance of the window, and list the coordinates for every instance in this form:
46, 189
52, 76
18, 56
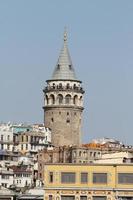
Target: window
75, 99
2, 146
8, 147
67, 197
125, 178
8, 137
68, 121
94, 154
80, 153
50, 197
1, 137
90, 154
26, 146
99, 198
100, 178
67, 99
51, 177
67, 177
60, 85
70, 67
40, 175
84, 177
60, 99
4, 176
52, 99
83, 197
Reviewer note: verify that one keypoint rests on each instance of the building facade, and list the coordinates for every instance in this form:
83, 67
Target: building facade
64, 102
66, 155
6, 137
88, 182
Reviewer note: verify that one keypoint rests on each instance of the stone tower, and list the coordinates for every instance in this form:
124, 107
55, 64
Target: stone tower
64, 102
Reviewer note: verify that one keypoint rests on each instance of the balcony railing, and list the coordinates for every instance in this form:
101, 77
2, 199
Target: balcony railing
63, 88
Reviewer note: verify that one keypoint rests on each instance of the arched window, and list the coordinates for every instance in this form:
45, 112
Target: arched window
75, 100
60, 99
67, 99
80, 153
81, 98
52, 99
46, 99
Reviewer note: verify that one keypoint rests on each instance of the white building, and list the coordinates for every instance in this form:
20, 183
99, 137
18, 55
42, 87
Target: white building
6, 177
23, 176
116, 158
6, 137
43, 129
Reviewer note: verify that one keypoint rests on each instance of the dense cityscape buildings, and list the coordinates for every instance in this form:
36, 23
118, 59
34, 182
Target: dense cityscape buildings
48, 161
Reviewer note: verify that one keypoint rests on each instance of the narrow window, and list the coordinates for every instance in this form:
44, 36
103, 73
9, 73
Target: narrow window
1, 137
26, 146
50, 197
51, 177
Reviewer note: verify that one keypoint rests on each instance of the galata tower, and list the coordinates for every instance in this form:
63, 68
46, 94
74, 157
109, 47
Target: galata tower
63, 101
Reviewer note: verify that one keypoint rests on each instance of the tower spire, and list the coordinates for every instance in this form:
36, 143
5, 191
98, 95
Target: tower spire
65, 35
64, 68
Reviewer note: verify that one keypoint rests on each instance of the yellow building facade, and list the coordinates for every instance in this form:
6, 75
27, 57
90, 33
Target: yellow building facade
88, 182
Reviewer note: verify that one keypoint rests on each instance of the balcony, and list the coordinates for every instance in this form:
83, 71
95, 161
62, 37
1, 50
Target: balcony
63, 88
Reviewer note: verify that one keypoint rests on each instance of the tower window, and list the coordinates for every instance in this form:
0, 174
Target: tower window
58, 66
67, 113
68, 86
60, 99
68, 99
60, 85
68, 121
59, 113
52, 120
70, 66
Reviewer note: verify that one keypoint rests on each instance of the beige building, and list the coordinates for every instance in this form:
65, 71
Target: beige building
64, 102
88, 182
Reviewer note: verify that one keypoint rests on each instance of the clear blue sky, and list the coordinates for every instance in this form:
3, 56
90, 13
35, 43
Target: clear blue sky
101, 47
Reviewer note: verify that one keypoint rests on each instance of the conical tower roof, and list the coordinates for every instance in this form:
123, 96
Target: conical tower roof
64, 68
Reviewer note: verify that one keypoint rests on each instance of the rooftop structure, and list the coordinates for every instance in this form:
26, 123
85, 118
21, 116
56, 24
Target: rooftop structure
64, 68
